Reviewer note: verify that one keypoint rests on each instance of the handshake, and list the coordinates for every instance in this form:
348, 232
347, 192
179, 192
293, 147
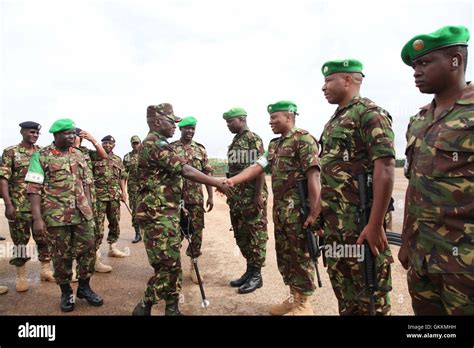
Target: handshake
225, 186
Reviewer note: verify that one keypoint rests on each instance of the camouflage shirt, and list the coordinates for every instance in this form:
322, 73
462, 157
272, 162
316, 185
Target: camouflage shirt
13, 168
196, 156
130, 161
439, 207
160, 180
244, 151
289, 158
60, 181
107, 175
355, 136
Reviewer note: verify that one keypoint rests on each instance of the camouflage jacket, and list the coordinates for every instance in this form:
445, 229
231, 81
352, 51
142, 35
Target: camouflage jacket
160, 181
60, 181
289, 158
13, 168
130, 161
107, 175
196, 156
439, 207
90, 171
245, 149
353, 138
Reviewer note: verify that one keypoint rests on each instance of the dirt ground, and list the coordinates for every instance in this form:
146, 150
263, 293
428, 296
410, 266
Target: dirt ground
221, 261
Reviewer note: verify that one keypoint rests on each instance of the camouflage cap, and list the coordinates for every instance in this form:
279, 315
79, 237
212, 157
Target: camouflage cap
135, 139
163, 109
61, 125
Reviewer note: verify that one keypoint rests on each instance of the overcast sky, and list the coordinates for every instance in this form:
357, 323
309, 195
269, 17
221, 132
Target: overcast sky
102, 63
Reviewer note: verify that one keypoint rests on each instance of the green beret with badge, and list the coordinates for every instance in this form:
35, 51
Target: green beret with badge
61, 125
189, 121
234, 112
422, 44
282, 105
343, 65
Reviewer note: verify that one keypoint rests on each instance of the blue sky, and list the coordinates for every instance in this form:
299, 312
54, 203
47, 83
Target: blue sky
102, 63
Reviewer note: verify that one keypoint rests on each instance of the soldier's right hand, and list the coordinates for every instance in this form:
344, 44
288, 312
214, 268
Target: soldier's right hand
224, 188
10, 212
39, 225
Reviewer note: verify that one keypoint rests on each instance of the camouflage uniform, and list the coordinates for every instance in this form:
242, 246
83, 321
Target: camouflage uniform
107, 175
158, 213
66, 209
130, 162
439, 210
248, 222
193, 198
290, 157
13, 168
355, 136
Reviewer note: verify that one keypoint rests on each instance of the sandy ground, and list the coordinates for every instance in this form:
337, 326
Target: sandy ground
221, 261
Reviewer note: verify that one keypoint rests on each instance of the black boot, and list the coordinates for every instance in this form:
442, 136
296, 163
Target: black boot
84, 291
172, 309
239, 282
67, 298
142, 309
253, 283
138, 236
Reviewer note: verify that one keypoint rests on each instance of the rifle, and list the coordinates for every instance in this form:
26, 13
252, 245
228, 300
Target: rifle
187, 230
311, 239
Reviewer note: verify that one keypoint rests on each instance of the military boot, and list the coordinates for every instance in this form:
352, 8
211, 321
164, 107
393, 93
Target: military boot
142, 309
172, 308
115, 252
21, 279
138, 236
240, 281
302, 305
46, 275
253, 282
99, 266
285, 306
67, 298
3, 289
193, 274
84, 291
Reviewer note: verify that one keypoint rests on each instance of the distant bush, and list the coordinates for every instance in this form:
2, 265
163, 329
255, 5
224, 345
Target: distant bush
399, 163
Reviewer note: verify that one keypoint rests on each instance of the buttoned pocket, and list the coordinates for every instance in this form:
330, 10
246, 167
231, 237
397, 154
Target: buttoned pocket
454, 154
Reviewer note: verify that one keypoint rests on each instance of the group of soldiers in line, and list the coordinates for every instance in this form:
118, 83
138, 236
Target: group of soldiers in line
437, 237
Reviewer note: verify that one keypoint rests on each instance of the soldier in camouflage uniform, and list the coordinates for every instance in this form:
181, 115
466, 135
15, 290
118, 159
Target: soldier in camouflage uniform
109, 182
61, 202
158, 210
358, 138
13, 168
81, 134
292, 157
193, 199
438, 229
130, 161
248, 204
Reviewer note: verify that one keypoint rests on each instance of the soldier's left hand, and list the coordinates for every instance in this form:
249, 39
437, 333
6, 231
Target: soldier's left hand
375, 236
209, 204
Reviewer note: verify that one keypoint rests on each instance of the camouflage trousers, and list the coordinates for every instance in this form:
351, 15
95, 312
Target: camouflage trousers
347, 279
441, 293
69, 242
196, 211
20, 231
294, 262
162, 239
250, 232
133, 199
111, 209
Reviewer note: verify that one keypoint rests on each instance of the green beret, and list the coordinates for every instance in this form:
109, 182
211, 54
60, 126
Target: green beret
344, 65
62, 125
283, 105
135, 139
188, 121
234, 112
425, 43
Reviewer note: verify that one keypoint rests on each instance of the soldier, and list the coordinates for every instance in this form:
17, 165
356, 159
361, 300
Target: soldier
130, 161
358, 138
438, 233
196, 156
292, 157
13, 169
109, 182
81, 134
158, 210
248, 204
61, 202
